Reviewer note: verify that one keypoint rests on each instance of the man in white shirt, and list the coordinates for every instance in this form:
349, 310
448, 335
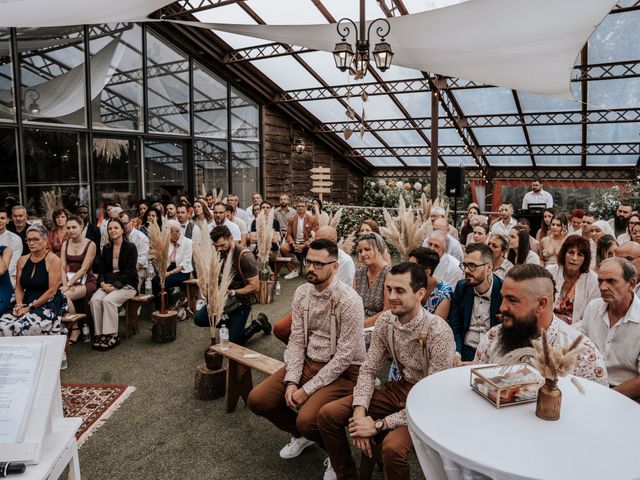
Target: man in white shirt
11, 240
189, 229
631, 252
240, 213
256, 199
220, 218
180, 263
438, 213
537, 196
233, 217
575, 223
448, 270
619, 222
613, 324
506, 222
527, 312
453, 246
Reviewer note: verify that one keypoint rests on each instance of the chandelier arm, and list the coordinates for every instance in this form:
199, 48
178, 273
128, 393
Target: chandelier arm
381, 30
344, 29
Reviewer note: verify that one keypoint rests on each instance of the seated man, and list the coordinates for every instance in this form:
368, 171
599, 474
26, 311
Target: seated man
345, 273
527, 311
631, 252
475, 301
180, 266
265, 206
300, 232
371, 412
325, 352
448, 269
453, 246
613, 324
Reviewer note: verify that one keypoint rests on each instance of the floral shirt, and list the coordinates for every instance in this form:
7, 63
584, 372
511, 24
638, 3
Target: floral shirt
442, 291
590, 365
441, 351
350, 347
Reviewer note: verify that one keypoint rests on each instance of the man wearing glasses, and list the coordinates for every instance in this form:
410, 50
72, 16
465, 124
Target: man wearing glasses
475, 301
324, 354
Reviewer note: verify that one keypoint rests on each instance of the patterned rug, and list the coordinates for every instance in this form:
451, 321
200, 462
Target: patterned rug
93, 403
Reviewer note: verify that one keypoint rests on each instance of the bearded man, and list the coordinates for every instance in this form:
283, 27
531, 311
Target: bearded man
527, 312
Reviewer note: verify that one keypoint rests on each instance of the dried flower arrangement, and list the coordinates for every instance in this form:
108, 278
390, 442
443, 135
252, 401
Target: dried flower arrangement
406, 231
159, 242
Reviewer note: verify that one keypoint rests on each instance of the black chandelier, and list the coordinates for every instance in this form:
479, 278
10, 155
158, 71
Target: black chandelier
343, 53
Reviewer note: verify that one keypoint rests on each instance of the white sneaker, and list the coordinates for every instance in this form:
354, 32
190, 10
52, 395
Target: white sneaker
329, 474
291, 275
294, 447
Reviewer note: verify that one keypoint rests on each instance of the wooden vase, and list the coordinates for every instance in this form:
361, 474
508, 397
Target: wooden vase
212, 360
163, 300
549, 401
265, 292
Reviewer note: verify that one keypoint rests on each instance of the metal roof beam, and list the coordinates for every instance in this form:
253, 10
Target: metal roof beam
259, 52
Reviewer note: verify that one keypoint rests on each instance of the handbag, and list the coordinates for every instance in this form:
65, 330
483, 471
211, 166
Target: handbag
82, 280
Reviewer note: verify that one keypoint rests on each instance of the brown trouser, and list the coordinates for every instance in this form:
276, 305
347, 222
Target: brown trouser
282, 328
267, 400
396, 446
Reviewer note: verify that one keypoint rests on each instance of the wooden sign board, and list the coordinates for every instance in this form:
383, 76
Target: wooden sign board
321, 184
321, 170
320, 190
320, 176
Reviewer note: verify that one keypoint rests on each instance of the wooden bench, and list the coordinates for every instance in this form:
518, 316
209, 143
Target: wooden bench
192, 293
132, 319
239, 380
69, 319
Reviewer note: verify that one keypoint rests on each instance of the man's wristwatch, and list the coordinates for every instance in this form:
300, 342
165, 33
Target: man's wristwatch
379, 424
232, 293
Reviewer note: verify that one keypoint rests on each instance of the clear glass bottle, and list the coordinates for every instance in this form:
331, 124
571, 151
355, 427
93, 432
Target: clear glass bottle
86, 333
63, 365
278, 288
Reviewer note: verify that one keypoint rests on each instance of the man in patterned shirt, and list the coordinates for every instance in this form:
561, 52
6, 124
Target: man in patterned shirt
527, 311
324, 354
421, 344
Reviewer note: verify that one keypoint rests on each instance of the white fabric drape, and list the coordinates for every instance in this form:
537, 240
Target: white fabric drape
55, 13
517, 44
64, 95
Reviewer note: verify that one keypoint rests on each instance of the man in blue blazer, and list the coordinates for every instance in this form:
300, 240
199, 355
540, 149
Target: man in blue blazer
476, 301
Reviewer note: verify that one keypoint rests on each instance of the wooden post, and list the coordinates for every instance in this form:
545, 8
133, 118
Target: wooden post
209, 384
239, 384
163, 328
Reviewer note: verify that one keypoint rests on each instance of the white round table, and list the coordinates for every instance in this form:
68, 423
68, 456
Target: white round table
595, 438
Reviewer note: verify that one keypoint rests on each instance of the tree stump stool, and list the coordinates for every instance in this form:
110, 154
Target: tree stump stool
163, 328
209, 384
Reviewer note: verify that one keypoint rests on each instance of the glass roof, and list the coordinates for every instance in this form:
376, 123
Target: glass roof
497, 116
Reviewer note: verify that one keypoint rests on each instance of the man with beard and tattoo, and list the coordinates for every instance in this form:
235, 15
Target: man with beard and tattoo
324, 353
475, 301
619, 222
527, 311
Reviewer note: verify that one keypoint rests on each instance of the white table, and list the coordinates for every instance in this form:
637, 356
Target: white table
595, 438
59, 449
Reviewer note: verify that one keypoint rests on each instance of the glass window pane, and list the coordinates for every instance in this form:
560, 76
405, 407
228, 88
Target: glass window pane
9, 190
115, 163
55, 163
209, 103
168, 87
384, 161
613, 133
555, 134
461, 161
164, 176
245, 160
52, 71
500, 136
116, 57
531, 102
506, 161
6, 78
611, 160
245, 117
406, 138
559, 160
616, 38
210, 164
486, 101
621, 93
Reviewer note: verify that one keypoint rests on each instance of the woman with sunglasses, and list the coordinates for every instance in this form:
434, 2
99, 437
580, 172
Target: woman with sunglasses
39, 304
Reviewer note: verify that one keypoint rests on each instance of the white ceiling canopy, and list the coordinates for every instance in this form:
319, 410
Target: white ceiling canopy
56, 13
517, 44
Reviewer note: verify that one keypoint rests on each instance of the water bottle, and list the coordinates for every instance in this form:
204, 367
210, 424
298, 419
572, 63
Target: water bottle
63, 365
147, 285
86, 333
224, 337
278, 288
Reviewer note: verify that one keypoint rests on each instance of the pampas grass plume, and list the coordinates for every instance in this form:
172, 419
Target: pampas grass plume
159, 241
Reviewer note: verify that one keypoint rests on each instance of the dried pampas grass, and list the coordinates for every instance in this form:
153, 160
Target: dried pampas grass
159, 241
347, 244
331, 220
553, 362
264, 232
51, 201
202, 250
406, 231
217, 286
